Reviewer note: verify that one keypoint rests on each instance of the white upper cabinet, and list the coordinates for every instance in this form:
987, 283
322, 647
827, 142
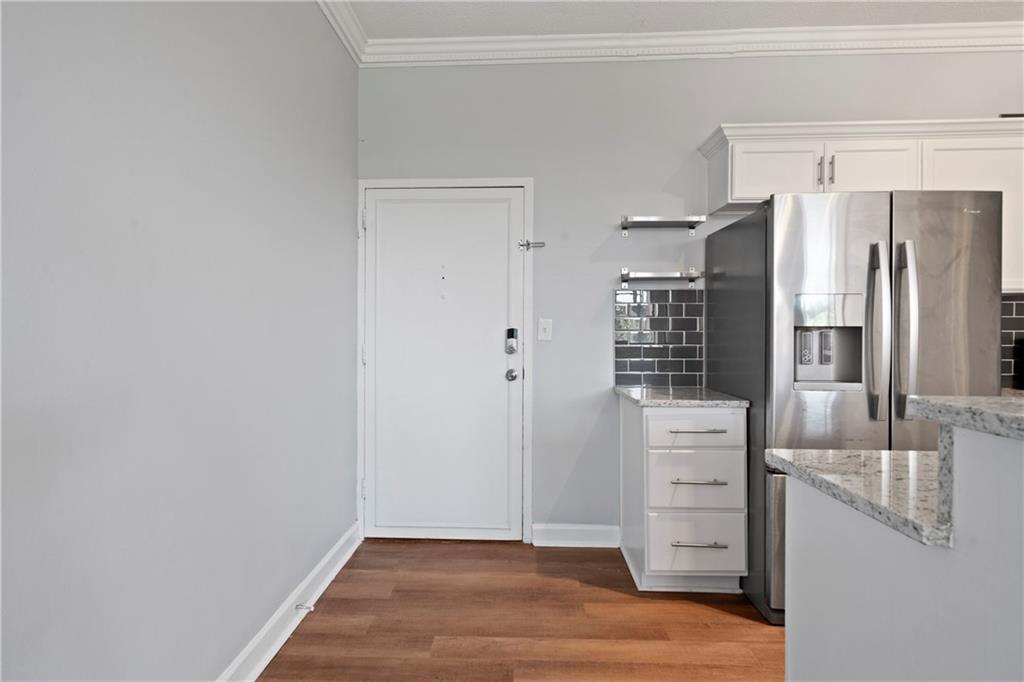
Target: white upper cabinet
760, 169
749, 162
872, 165
986, 164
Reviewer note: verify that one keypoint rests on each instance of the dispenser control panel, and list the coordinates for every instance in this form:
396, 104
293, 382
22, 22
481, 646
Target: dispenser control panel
828, 342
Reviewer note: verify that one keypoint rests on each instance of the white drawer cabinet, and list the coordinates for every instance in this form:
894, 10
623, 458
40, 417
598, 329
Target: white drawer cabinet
749, 162
697, 479
684, 496
696, 427
697, 542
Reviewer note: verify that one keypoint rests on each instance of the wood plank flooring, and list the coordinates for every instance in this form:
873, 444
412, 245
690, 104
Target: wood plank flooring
444, 610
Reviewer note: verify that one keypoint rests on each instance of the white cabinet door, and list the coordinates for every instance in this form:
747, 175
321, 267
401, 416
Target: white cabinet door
760, 169
872, 165
986, 164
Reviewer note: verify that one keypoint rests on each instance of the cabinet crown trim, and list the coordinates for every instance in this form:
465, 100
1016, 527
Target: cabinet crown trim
838, 130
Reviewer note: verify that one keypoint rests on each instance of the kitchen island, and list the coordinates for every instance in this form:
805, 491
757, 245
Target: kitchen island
910, 564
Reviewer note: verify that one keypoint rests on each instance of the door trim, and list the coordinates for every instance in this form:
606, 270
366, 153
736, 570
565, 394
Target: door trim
526, 339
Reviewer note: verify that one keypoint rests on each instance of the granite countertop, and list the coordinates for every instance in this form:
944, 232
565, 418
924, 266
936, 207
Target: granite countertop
646, 396
907, 490
998, 415
910, 491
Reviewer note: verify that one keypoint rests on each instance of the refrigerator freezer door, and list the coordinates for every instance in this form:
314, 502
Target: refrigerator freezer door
822, 246
946, 290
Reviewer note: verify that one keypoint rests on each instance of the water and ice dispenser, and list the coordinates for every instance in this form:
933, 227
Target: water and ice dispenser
828, 338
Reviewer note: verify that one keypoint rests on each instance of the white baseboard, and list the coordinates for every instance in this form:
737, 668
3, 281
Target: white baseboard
575, 535
275, 632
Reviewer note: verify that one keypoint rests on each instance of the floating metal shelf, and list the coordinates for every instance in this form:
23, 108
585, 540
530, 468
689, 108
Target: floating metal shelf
690, 276
689, 222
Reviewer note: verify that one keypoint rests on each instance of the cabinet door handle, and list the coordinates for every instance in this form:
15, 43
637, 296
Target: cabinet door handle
832, 170
701, 545
677, 431
713, 481
821, 170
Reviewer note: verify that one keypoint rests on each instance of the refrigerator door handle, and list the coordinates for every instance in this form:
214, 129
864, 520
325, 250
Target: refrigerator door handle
906, 260
878, 269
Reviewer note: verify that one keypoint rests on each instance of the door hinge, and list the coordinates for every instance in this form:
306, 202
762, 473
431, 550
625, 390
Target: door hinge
362, 354
362, 489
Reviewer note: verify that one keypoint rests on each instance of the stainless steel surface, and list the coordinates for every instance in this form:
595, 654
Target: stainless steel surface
878, 388
698, 430
832, 170
713, 481
626, 276
769, 278
821, 170
511, 375
828, 386
906, 262
629, 221
828, 310
700, 545
957, 240
821, 247
776, 498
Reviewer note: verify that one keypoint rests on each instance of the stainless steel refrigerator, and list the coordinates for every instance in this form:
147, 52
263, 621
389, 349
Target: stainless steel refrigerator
826, 311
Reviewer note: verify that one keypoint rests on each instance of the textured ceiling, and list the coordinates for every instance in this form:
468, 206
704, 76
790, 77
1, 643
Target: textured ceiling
385, 19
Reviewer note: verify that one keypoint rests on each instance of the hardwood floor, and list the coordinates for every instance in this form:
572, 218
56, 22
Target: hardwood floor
442, 610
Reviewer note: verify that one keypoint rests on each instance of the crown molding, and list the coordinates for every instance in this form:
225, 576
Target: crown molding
345, 23
777, 42
846, 130
996, 36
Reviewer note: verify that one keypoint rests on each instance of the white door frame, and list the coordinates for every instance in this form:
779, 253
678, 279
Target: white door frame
526, 338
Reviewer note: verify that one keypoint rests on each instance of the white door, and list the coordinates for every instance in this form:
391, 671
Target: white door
873, 165
986, 164
760, 169
444, 421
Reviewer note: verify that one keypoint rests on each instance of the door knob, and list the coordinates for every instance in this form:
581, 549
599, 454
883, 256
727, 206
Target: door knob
511, 375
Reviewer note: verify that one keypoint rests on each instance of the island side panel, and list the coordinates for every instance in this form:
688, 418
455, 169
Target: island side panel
866, 602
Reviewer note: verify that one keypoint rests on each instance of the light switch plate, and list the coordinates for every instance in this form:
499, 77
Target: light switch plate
544, 330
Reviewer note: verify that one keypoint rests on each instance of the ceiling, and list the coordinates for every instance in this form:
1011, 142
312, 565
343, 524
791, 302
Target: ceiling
383, 19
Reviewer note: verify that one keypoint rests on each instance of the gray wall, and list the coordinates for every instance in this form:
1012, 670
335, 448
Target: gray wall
178, 332
604, 139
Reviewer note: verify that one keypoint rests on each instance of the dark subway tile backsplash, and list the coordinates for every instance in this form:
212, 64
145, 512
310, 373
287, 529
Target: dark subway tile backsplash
1012, 340
658, 337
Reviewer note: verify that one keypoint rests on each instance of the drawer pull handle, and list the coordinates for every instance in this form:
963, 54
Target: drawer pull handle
698, 430
713, 481
701, 545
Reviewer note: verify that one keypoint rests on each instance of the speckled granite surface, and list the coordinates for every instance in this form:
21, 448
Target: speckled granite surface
998, 415
678, 397
910, 491
907, 490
